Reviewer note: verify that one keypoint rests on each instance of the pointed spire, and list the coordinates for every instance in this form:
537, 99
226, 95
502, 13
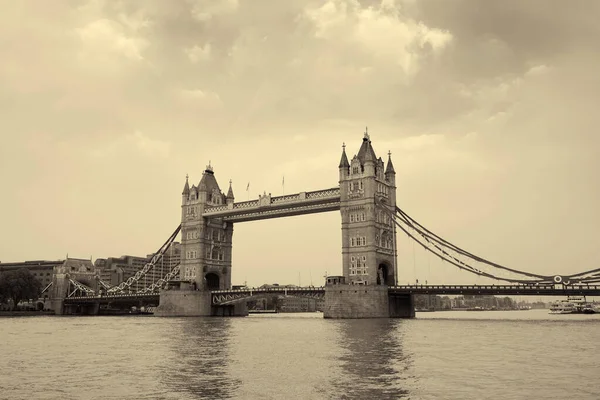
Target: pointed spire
230, 191
390, 167
366, 151
370, 153
344, 161
186, 188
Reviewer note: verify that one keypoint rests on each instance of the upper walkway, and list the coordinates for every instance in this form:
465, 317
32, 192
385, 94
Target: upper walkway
280, 206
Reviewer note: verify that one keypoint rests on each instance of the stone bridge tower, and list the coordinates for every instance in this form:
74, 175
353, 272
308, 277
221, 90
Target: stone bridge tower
368, 233
206, 243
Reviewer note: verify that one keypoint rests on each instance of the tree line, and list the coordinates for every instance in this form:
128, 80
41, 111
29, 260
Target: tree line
19, 285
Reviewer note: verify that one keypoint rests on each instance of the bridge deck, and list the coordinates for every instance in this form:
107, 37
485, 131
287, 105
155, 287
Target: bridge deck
501, 290
224, 296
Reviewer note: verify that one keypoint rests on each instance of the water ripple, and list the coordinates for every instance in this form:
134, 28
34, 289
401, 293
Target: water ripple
440, 356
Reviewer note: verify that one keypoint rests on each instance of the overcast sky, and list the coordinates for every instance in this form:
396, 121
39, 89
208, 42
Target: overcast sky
490, 110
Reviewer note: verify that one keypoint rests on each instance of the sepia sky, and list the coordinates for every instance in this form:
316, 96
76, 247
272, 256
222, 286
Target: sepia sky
490, 110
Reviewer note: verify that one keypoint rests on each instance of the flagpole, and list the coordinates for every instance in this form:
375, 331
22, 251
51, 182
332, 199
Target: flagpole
283, 186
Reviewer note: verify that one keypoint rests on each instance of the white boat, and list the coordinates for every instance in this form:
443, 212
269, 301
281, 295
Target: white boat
562, 307
574, 305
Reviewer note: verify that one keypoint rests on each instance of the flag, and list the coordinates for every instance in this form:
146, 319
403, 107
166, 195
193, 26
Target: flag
248, 187
282, 181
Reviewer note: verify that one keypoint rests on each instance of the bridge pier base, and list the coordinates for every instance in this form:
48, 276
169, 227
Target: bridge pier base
184, 303
80, 309
401, 305
358, 301
231, 310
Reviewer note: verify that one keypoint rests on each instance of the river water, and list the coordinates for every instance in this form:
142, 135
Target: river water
442, 355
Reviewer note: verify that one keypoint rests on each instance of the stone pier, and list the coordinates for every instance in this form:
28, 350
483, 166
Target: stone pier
184, 301
365, 301
356, 301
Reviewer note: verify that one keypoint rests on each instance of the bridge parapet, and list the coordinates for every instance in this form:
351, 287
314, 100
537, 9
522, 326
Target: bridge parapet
222, 297
501, 290
243, 204
268, 206
318, 194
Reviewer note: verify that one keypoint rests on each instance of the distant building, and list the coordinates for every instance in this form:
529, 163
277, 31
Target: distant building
115, 270
41, 270
44, 272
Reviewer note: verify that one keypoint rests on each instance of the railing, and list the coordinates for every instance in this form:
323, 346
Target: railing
245, 204
290, 198
285, 199
509, 290
274, 290
323, 193
114, 296
222, 297
216, 208
496, 287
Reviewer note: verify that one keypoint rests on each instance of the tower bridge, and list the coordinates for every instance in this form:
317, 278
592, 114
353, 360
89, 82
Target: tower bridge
366, 199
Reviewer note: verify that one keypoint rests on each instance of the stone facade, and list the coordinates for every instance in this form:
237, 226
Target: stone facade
183, 303
80, 270
205, 242
369, 253
355, 301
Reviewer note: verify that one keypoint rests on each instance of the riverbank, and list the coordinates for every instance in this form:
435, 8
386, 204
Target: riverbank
25, 313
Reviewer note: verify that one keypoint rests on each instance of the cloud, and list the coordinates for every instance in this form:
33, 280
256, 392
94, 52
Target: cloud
197, 53
537, 70
205, 10
381, 32
199, 98
105, 36
136, 142
489, 112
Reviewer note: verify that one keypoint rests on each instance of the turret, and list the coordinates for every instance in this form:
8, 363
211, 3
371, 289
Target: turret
344, 164
390, 173
230, 198
369, 156
186, 190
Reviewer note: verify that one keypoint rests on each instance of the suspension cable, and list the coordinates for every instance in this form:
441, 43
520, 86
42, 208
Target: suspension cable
424, 231
446, 256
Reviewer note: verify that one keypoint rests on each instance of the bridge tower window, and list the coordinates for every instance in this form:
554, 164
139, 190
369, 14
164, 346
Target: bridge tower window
191, 254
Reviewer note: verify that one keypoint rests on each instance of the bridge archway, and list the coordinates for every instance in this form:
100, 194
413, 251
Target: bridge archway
212, 281
383, 274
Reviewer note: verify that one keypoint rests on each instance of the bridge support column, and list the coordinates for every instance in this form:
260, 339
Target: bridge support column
356, 301
366, 301
60, 286
402, 305
231, 310
184, 303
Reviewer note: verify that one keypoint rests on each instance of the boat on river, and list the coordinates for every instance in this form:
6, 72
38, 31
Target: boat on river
574, 305
562, 307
